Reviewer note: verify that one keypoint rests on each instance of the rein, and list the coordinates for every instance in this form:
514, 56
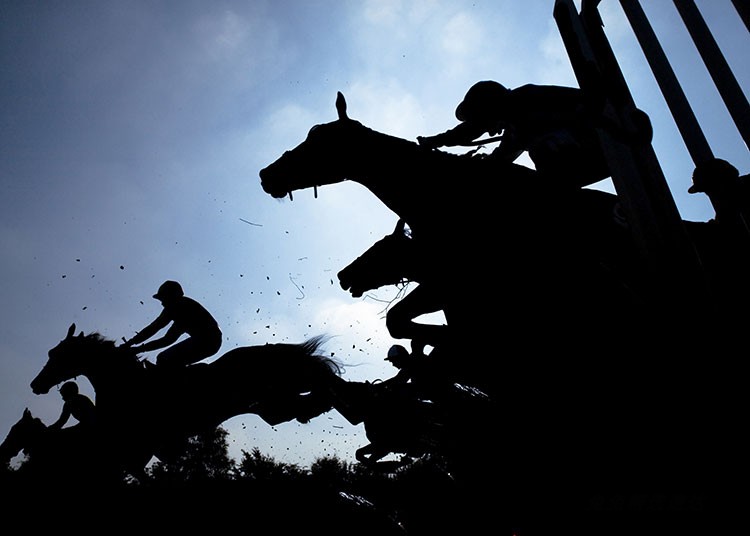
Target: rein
481, 142
315, 192
475, 143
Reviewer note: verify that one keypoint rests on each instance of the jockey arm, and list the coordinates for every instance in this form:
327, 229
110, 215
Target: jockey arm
149, 331
170, 337
509, 149
461, 134
64, 416
402, 377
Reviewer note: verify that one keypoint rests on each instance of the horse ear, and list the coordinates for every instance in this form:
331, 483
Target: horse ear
399, 226
26, 413
71, 330
341, 105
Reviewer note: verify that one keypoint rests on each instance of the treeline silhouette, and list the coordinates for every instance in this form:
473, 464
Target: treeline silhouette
203, 486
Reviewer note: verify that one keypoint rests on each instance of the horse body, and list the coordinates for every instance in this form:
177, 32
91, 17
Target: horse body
147, 412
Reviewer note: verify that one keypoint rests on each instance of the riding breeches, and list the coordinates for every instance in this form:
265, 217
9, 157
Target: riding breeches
189, 351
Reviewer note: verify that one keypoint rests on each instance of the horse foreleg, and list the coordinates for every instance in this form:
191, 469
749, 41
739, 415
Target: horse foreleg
369, 454
400, 318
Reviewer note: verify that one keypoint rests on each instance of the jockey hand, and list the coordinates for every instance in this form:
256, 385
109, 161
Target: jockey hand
430, 142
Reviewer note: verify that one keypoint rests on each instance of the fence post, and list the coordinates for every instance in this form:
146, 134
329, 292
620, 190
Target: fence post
717, 66
669, 255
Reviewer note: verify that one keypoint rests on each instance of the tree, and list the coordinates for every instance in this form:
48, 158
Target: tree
205, 457
259, 467
331, 470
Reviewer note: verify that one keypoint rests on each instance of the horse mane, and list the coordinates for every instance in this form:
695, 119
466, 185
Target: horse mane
311, 348
108, 345
99, 339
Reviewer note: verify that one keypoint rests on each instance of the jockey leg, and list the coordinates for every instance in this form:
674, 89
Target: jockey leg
186, 353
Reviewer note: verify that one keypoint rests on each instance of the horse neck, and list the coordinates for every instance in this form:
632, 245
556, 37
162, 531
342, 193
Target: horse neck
408, 179
109, 372
37, 432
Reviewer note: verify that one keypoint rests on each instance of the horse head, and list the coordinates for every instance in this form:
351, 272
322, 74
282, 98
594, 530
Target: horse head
75, 356
21, 436
63, 363
323, 158
387, 262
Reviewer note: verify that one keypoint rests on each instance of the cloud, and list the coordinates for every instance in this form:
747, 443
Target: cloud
462, 36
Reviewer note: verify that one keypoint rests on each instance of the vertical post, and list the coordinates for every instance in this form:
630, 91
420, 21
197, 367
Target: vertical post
722, 75
743, 8
683, 114
669, 254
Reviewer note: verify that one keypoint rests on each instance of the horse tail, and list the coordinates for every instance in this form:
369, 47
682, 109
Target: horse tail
312, 348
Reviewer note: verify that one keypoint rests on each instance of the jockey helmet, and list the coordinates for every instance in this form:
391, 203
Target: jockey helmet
480, 98
396, 352
169, 289
712, 174
69, 389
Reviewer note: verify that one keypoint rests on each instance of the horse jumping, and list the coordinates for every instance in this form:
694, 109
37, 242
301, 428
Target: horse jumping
145, 412
553, 309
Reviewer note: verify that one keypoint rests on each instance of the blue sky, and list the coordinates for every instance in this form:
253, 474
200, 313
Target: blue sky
132, 133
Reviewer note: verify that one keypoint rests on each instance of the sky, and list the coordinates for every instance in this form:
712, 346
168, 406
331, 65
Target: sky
132, 134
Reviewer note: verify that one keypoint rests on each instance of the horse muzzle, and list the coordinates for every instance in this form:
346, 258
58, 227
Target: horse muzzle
37, 388
270, 185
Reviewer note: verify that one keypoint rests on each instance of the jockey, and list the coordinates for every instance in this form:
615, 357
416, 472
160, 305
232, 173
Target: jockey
728, 190
552, 123
422, 374
76, 405
187, 316
403, 361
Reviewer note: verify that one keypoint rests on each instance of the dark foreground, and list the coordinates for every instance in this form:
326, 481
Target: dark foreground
419, 506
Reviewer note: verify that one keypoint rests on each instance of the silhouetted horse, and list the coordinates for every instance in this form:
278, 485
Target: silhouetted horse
494, 235
147, 412
402, 419
550, 310
57, 457
392, 260
398, 259
22, 437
